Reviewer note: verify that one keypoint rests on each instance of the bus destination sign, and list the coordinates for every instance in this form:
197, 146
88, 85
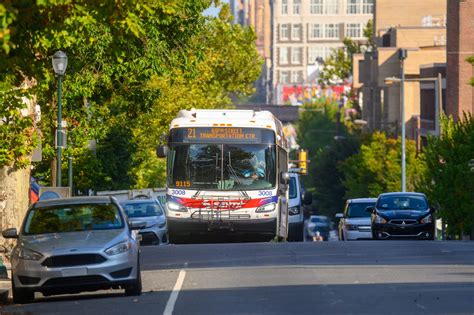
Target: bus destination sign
221, 134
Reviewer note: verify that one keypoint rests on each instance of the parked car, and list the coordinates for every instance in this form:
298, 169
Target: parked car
72, 245
297, 200
151, 212
318, 224
354, 223
402, 215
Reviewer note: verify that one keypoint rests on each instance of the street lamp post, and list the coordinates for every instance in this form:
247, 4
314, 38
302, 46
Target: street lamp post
59, 66
402, 55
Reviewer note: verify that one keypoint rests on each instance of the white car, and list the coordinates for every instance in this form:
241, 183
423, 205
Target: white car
355, 223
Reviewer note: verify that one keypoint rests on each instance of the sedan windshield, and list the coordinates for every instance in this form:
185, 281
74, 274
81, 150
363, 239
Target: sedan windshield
402, 202
142, 209
73, 218
357, 210
222, 166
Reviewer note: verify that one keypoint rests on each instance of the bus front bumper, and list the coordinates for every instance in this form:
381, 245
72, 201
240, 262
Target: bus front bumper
199, 226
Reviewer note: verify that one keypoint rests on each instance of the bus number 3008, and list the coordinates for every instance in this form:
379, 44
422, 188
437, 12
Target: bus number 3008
266, 193
178, 192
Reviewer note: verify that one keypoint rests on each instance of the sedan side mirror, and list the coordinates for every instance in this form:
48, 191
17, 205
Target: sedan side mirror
339, 215
162, 151
137, 225
307, 198
370, 209
10, 233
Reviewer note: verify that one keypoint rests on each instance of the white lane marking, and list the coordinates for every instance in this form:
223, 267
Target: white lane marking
174, 294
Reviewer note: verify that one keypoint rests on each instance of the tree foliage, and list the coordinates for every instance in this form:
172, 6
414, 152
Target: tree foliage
471, 61
447, 180
132, 66
376, 168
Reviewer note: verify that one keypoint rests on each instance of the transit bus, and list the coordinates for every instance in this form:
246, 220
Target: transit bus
227, 170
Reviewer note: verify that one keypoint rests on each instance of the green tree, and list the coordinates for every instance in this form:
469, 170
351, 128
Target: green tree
447, 180
376, 168
471, 61
132, 66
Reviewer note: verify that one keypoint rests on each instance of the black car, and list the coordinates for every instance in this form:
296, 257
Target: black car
402, 215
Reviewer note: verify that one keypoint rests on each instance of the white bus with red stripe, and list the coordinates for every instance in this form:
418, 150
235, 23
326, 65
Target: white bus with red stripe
227, 171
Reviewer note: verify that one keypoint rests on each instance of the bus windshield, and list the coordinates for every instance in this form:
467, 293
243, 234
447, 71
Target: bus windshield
222, 166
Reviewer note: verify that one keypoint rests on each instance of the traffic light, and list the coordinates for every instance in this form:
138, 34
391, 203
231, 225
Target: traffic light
303, 161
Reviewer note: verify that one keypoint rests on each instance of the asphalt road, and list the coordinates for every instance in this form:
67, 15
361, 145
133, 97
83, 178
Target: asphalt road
367, 277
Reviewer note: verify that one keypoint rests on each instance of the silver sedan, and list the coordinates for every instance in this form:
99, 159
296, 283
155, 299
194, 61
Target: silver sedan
73, 245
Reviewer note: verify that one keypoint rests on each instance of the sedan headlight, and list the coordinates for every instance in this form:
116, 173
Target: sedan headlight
121, 247
294, 210
379, 219
427, 219
174, 206
27, 254
269, 207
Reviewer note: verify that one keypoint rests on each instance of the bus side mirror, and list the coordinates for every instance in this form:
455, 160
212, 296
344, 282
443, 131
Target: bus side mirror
162, 151
307, 198
284, 178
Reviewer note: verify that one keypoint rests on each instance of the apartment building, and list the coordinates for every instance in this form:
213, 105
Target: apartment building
258, 15
419, 27
305, 32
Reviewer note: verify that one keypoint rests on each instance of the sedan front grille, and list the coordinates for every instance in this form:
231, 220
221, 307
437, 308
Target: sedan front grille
71, 281
403, 221
73, 260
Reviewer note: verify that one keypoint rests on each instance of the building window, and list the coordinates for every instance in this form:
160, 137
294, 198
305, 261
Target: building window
283, 55
295, 77
296, 32
353, 6
353, 30
284, 7
331, 7
316, 7
317, 52
296, 6
284, 77
316, 31
296, 54
367, 6
331, 30
284, 32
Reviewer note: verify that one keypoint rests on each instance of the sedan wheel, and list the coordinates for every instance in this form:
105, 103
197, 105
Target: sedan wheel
135, 288
21, 296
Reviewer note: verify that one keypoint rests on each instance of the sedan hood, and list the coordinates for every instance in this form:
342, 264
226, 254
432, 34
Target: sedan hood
403, 214
72, 241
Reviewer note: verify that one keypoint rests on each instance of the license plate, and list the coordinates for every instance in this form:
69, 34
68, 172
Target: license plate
74, 272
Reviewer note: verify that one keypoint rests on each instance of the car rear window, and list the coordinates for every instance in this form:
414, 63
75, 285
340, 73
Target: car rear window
73, 218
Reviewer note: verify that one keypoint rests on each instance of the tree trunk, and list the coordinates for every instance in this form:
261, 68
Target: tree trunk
14, 197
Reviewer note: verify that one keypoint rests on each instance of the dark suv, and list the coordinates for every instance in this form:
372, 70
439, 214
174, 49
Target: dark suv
402, 215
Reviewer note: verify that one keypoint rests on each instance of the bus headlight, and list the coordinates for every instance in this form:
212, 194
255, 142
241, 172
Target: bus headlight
269, 207
174, 206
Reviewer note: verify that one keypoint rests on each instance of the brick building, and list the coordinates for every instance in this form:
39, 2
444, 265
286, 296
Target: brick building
460, 45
